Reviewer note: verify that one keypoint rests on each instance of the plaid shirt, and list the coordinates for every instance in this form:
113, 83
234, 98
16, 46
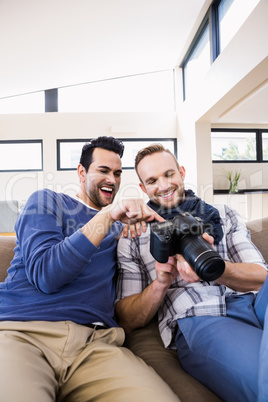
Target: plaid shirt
183, 299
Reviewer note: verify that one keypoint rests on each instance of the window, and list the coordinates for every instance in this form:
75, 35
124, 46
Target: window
69, 151
232, 14
222, 21
265, 146
152, 92
28, 103
133, 146
21, 155
198, 62
238, 145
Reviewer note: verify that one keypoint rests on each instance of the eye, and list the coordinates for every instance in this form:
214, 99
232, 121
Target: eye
103, 171
150, 182
117, 174
169, 174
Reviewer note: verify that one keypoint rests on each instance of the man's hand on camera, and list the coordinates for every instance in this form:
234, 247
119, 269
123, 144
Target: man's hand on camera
185, 270
208, 238
166, 272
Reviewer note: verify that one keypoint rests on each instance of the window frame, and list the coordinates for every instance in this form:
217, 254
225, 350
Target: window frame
125, 142
211, 19
25, 142
258, 137
204, 24
261, 144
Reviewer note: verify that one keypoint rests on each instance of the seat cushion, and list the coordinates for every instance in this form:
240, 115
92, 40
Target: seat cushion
147, 344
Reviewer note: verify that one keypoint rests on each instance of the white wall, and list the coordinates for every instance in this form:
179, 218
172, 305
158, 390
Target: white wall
240, 68
53, 126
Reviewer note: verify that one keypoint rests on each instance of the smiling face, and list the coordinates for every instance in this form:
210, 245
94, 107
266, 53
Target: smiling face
101, 182
161, 179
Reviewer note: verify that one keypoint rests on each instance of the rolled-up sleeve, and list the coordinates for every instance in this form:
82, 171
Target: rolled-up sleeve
132, 274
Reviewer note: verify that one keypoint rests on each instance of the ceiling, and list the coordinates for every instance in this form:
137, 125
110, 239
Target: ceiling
54, 43
251, 109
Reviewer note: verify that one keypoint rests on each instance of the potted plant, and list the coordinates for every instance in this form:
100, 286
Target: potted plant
233, 177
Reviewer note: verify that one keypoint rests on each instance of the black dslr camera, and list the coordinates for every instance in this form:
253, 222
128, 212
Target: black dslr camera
182, 235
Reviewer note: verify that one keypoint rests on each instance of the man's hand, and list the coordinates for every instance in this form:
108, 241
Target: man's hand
132, 211
166, 272
208, 238
127, 211
185, 270
135, 230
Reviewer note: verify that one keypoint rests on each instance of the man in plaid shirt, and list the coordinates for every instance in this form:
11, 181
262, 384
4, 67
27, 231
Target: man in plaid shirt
216, 327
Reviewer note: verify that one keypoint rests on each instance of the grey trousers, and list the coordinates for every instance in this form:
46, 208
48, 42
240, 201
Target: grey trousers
63, 361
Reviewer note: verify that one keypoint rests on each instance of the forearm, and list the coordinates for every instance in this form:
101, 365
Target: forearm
137, 310
128, 211
96, 228
243, 277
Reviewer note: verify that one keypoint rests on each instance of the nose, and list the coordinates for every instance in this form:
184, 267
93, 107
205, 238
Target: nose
111, 178
163, 184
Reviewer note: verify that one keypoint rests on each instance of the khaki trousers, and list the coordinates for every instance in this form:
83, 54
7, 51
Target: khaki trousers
63, 361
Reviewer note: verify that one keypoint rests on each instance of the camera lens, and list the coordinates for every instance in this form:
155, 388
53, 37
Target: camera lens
200, 255
209, 266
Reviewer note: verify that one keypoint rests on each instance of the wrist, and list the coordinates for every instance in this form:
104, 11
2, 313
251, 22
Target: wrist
160, 285
107, 213
97, 227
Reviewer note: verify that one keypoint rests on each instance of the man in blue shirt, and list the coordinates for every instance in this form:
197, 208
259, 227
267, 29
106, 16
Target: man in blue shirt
58, 336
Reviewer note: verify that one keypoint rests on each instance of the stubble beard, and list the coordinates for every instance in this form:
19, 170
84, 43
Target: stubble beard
172, 204
94, 196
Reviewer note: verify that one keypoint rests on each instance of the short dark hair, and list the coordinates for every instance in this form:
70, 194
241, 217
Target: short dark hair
109, 143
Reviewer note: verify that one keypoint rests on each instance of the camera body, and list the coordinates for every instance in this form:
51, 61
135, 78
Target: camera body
183, 235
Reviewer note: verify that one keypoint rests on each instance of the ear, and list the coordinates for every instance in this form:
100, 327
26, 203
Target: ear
142, 186
81, 173
182, 172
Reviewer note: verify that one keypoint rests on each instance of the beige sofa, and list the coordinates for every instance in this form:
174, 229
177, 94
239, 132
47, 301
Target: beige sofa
146, 342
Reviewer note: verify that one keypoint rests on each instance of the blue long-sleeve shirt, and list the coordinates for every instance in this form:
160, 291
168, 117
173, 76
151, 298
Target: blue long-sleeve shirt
57, 273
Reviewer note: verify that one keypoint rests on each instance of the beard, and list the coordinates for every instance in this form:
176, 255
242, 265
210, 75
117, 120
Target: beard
177, 199
95, 196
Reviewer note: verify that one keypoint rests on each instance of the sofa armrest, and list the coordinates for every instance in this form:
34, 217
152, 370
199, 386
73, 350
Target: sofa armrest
259, 235
7, 245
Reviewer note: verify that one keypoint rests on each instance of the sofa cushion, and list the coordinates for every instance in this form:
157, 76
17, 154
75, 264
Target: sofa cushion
259, 235
7, 245
147, 344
